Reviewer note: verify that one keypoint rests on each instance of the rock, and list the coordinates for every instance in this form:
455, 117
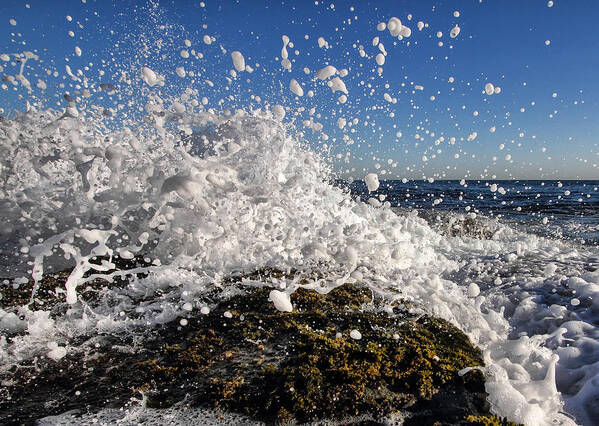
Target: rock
273, 366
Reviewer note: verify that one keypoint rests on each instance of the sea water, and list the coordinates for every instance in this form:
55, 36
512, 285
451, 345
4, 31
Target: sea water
258, 198
201, 192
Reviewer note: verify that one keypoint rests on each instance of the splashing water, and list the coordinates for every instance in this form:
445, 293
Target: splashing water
200, 194
255, 197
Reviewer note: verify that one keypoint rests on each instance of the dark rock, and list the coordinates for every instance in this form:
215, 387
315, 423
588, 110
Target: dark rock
272, 366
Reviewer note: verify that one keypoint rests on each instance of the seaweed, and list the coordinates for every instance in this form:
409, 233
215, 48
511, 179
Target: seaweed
304, 366
300, 366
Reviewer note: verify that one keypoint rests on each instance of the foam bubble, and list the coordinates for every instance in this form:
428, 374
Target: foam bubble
280, 300
473, 290
455, 31
295, 87
394, 26
279, 112
355, 334
151, 78
336, 84
326, 72
372, 181
238, 61
56, 352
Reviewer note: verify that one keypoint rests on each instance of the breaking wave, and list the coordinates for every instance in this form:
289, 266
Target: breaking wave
240, 192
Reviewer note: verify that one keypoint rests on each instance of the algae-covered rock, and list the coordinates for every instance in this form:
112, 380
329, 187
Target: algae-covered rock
50, 290
304, 366
488, 421
301, 366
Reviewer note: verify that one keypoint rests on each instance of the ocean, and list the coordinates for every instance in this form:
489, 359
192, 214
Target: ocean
554, 209
512, 264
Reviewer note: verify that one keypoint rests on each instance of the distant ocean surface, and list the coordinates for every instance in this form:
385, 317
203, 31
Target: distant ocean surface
555, 209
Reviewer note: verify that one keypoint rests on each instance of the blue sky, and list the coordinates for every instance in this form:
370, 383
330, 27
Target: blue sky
502, 42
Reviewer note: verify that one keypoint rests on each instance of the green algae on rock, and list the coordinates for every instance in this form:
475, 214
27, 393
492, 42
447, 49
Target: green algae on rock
488, 421
50, 290
304, 366
247, 357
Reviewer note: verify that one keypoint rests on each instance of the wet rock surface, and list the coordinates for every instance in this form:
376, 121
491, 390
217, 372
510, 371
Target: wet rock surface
246, 357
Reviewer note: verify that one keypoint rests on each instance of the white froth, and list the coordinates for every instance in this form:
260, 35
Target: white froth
151, 78
394, 26
257, 156
355, 334
280, 300
10, 322
372, 181
238, 61
336, 84
455, 31
326, 72
295, 87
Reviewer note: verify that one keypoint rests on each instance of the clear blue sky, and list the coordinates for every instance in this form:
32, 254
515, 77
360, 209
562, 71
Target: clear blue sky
502, 42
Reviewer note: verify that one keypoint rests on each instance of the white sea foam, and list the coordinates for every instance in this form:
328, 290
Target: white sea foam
256, 198
295, 87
